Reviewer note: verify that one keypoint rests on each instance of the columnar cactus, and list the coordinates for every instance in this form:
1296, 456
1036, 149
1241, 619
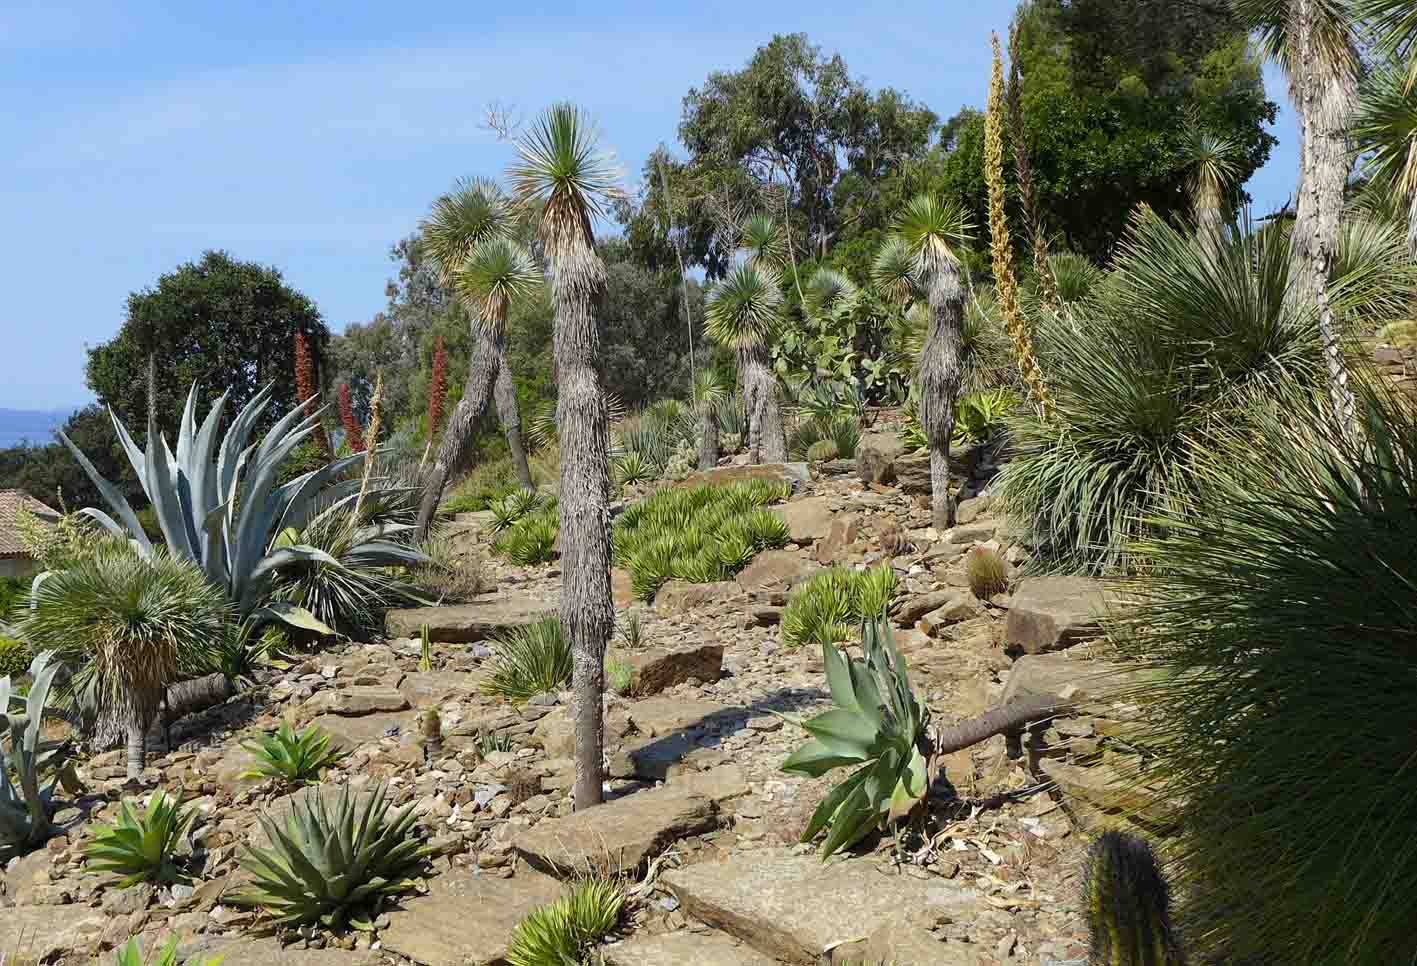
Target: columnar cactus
1128, 905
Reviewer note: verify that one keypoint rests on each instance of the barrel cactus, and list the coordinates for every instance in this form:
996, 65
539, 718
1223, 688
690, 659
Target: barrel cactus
1128, 905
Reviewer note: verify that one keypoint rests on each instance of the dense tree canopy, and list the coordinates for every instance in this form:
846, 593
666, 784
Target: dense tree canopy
219, 322
51, 470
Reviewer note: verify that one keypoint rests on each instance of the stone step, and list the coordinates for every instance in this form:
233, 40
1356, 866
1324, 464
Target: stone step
798, 909
476, 621
466, 919
684, 948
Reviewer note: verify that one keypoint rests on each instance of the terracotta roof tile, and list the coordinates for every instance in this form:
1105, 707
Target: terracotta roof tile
10, 503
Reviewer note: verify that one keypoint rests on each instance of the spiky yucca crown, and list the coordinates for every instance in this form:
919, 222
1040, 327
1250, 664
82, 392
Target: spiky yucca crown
1001, 245
1128, 905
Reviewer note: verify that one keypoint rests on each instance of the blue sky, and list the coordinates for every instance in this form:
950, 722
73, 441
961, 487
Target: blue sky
311, 136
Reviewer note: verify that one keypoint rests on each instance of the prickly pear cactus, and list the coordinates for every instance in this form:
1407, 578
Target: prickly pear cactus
1128, 905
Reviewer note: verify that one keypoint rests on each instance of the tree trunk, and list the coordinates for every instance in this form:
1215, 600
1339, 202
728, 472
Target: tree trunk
1326, 101
1210, 222
586, 610
1005, 718
482, 370
941, 371
765, 415
137, 735
152, 379
198, 694
504, 394
708, 445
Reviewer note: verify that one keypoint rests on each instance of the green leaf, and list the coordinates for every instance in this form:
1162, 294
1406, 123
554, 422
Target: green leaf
815, 759
845, 731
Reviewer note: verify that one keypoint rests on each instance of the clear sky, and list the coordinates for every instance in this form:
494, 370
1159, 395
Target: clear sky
311, 136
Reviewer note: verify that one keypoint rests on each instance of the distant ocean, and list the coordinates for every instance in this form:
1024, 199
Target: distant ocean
31, 427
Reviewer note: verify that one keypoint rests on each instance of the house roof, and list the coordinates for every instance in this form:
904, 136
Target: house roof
10, 503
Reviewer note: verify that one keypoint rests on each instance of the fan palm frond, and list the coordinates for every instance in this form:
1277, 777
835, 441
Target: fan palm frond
744, 309
932, 230
893, 270
563, 169
829, 293
1386, 128
1395, 23
763, 241
476, 209
497, 271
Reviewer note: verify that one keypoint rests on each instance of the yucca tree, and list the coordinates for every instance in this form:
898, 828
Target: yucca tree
1313, 41
743, 312
1385, 129
711, 390
563, 173
476, 212
930, 230
1213, 164
1394, 22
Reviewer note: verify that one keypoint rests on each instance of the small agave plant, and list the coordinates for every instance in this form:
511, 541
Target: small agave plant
219, 505
25, 802
878, 727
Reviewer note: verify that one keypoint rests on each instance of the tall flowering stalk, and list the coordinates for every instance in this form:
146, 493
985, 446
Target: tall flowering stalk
305, 387
352, 430
1047, 284
376, 415
437, 393
1000, 244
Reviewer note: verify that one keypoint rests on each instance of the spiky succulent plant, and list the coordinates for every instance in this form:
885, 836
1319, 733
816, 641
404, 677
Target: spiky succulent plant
25, 803
141, 847
329, 866
829, 606
561, 931
1128, 905
877, 726
531, 660
293, 757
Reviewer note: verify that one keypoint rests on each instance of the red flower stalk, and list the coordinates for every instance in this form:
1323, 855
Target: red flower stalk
437, 387
305, 386
352, 430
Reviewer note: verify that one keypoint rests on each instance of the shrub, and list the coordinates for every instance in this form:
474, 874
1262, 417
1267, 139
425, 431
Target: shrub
13, 591
132, 955
15, 658
487, 483
987, 571
631, 469
294, 758
1184, 337
619, 676
332, 866
532, 539
891, 775
140, 847
700, 534
1277, 629
530, 660
830, 605
128, 626
978, 416
822, 450
448, 575
561, 932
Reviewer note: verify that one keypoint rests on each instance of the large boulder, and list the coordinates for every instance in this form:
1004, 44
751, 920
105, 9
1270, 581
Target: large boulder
795, 473
475, 621
619, 836
425, 689
680, 596
875, 457
807, 520
1051, 613
359, 701
664, 730
1062, 676
912, 470
466, 919
659, 669
346, 734
777, 570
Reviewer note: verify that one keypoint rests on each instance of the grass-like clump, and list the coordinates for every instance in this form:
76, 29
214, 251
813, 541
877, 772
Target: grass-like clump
530, 660
700, 534
527, 525
830, 606
561, 932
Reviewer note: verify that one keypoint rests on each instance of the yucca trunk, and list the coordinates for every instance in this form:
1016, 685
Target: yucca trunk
505, 396
708, 445
768, 438
586, 610
136, 732
1326, 100
482, 372
1210, 221
941, 372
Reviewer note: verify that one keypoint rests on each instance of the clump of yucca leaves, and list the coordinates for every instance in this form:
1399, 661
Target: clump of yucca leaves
560, 932
291, 757
829, 606
139, 847
700, 534
1128, 905
331, 866
530, 660
1280, 629
132, 955
877, 726
532, 539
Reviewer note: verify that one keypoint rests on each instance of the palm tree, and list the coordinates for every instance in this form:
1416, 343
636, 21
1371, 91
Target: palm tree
1395, 24
1385, 129
1213, 164
565, 175
475, 211
929, 231
1313, 41
743, 312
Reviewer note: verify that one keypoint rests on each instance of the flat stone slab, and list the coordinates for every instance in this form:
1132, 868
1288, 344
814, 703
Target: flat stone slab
685, 949
463, 623
466, 919
807, 520
346, 734
356, 702
658, 669
621, 835
783, 569
268, 952
680, 596
428, 689
42, 933
666, 730
794, 907
1051, 613
1058, 675
795, 473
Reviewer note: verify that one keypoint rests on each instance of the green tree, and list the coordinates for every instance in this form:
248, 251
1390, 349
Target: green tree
1385, 129
566, 177
221, 323
47, 472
